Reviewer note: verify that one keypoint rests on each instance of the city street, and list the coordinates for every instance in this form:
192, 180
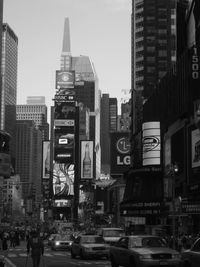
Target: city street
16, 257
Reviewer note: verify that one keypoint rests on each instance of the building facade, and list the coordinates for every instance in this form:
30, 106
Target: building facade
9, 65
36, 112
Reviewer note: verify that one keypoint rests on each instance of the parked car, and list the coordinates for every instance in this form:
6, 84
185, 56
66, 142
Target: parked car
86, 246
61, 242
111, 235
143, 250
191, 257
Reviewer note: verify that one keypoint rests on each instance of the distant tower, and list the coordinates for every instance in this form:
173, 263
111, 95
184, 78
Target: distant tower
66, 51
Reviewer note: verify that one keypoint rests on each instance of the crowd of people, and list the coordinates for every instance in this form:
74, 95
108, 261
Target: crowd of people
10, 238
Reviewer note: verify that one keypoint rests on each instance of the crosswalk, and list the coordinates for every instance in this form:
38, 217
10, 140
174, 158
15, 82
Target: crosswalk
16, 253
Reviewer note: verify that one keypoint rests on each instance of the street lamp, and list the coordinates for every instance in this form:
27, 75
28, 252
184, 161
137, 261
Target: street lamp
173, 170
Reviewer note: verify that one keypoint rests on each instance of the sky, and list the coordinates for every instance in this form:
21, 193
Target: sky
100, 29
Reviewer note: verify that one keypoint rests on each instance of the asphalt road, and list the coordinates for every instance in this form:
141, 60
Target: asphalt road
17, 257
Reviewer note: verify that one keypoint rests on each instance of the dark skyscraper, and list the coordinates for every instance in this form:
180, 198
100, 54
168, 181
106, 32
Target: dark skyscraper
153, 48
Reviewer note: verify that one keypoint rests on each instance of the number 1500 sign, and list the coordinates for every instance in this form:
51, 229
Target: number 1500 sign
195, 65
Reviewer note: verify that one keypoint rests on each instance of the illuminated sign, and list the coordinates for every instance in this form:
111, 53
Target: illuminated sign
120, 149
64, 111
70, 123
65, 79
63, 181
151, 143
86, 159
64, 98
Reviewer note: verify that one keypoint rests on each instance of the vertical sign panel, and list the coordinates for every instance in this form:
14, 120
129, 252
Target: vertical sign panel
46, 160
86, 159
151, 143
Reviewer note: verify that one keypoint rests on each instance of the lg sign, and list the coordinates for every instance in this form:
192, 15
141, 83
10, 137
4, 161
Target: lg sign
120, 148
123, 147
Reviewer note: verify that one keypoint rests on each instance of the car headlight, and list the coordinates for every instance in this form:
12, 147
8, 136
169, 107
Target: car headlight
145, 256
176, 256
57, 243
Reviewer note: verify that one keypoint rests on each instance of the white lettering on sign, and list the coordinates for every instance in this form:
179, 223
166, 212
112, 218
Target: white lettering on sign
123, 160
195, 65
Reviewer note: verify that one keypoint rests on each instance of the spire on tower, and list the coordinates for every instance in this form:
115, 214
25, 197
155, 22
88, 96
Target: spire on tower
66, 37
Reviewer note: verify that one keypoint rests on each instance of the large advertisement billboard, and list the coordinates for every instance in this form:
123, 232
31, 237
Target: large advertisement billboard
87, 159
65, 110
195, 139
119, 152
63, 181
151, 143
46, 160
65, 79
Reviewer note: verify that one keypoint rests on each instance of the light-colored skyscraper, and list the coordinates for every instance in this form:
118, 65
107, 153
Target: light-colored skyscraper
37, 112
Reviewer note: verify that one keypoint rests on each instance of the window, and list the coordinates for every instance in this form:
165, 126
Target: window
196, 246
162, 53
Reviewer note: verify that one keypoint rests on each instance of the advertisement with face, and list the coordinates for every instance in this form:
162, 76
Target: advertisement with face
65, 111
63, 181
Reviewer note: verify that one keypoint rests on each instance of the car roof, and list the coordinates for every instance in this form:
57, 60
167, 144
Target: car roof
112, 228
144, 235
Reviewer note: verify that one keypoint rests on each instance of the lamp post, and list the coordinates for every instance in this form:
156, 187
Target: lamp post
174, 170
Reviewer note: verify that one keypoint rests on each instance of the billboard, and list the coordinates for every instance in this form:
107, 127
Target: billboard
87, 159
63, 181
65, 111
46, 160
195, 139
65, 79
151, 143
119, 152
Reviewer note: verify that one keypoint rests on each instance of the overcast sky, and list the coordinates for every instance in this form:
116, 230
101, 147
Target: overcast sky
100, 29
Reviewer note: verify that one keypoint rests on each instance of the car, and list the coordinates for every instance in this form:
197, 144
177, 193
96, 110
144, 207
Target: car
111, 234
87, 246
191, 257
61, 242
143, 251
50, 238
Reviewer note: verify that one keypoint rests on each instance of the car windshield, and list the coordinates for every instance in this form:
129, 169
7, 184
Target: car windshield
113, 233
92, 239
63, 237
147, 242
153, 242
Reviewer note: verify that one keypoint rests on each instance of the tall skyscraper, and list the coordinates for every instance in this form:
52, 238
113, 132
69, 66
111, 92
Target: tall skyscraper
9, 83
35, 110
29, 158
86, 89
153, 48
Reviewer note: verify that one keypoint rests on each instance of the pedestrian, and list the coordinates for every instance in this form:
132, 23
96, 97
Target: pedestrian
37, 248
12, 239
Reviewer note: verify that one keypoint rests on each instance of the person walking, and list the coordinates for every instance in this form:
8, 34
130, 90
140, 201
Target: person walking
36, 245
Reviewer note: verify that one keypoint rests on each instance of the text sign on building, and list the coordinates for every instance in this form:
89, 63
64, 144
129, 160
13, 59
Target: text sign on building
64, 98
119, 152
87, 159
65, 79
151, 143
